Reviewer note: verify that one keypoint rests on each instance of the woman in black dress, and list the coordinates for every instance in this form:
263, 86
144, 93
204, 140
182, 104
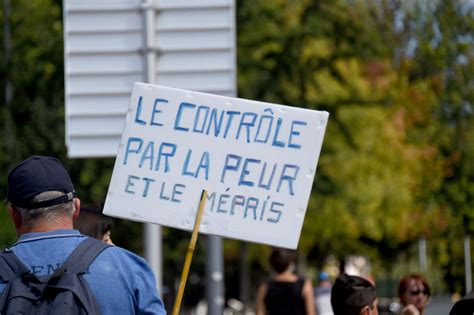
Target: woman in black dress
285, 293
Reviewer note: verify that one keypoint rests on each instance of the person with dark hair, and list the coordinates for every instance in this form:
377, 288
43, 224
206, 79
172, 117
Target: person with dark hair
285, 293
463, 306
414, 294
353, 295
92, 222
43, 204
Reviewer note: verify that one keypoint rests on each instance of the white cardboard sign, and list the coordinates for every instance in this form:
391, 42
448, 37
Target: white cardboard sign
256, 160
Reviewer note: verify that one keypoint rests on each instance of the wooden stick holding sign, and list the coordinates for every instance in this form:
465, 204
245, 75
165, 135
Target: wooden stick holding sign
189, 254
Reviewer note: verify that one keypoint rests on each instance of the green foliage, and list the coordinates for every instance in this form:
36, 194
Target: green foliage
32, 123
34, 120
7, 233
396, 78
397, 82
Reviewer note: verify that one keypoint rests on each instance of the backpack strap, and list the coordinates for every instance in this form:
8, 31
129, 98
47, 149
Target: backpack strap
78, 261
84, 254
11, 266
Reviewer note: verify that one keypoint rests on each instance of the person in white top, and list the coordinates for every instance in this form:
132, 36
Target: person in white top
322, 295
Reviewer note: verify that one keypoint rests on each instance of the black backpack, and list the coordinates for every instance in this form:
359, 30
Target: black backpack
63, 292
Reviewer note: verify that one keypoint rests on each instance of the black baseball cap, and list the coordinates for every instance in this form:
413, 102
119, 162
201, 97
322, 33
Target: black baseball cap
36, 175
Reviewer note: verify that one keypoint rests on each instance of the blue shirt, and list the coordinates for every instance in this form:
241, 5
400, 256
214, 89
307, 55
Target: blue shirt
122, 282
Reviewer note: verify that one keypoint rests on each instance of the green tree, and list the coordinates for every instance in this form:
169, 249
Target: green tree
33, 121
444, 55
336, 56
396, 78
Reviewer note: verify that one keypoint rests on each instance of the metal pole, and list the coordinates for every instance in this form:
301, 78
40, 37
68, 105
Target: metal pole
422, 253
214, 251
467, 263
152, 232
244, 275
214, 275
152, 250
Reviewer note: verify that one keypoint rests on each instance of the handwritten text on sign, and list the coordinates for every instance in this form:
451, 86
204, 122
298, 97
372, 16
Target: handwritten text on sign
257, 161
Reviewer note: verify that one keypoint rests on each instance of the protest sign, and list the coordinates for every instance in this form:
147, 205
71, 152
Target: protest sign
256, 160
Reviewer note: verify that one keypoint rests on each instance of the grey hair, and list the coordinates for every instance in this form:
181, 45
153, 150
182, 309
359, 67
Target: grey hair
47, 214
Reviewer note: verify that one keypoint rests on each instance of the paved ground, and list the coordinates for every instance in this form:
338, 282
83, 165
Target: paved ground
439, 305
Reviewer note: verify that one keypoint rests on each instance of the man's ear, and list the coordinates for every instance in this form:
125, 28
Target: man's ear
15, 215
365, 310
77, 209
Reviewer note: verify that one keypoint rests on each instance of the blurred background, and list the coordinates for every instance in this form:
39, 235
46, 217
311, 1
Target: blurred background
395, 180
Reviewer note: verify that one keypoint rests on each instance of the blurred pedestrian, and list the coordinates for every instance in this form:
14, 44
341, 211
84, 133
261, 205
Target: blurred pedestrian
414, 294
92, 222
353, 295
322, 295
285, 293
43, 204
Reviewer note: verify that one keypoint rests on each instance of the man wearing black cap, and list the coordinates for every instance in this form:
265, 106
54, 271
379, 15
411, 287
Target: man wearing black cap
43, 205
352, 295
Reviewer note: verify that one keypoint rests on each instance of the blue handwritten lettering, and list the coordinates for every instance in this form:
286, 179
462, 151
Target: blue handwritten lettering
156, 111
181, 108
211, 197
246, 124
230, 118
264, 208
163, 152
147, 185
276, 142
219, 203
267, 185
196, 127
162, 192
203, 165
289, 178
148, 155
217, 124
130, 149
274, 210
245, 172
178, 190
252, 203
294, 132
268, 128
222, 201
238, 200
130, 183
229, 166
139, 111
